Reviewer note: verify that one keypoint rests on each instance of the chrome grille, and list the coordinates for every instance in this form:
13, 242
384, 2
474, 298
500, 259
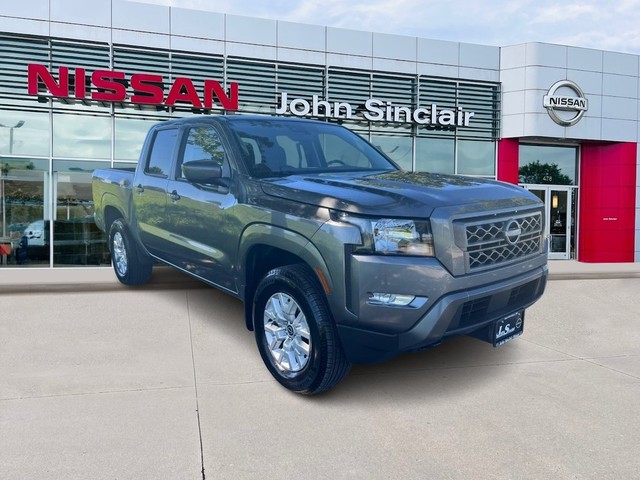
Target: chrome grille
500, 239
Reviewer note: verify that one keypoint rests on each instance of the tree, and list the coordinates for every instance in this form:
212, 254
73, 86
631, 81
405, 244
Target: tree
543, 174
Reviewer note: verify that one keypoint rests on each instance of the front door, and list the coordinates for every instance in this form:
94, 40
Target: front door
203, 231
559, 212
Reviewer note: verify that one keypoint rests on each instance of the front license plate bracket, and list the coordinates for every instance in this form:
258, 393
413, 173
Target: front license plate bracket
508, 328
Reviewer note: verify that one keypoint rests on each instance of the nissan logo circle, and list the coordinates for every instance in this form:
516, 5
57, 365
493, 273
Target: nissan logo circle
565, 110
512, 232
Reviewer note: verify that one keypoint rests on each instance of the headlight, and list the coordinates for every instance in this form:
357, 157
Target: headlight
392, 236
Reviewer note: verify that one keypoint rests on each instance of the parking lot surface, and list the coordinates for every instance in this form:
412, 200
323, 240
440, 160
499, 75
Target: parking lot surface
165, 383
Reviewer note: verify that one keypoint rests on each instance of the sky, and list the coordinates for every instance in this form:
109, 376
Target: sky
604, 25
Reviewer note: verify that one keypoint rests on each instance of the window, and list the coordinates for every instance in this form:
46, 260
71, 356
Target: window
24, 234
435, 155
291, 146
24, 133
203, 143
161, 155
340, 153
398, 149
129, 136
76, 238
81, 136
476, 158
293, 151
548, 165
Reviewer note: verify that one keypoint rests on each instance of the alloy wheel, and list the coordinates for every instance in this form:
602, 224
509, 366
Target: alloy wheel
287, 333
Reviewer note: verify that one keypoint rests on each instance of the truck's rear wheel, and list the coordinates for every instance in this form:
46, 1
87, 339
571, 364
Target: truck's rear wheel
127, 264
295, 333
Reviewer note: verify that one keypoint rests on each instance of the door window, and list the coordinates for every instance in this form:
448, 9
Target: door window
203, 143
161, 154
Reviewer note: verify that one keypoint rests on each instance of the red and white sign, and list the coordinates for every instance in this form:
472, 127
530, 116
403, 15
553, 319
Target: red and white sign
111, 86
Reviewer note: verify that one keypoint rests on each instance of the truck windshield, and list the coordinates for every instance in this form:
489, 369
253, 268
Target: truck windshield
284, 147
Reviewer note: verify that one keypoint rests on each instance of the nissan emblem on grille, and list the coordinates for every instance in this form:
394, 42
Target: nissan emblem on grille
493, 241
512, 232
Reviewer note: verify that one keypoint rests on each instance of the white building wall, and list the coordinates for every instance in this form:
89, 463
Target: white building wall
609, 80
122, 21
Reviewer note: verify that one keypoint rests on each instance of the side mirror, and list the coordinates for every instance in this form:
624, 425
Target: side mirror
202, 171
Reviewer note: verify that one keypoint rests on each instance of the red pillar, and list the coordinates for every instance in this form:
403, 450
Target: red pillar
508, 158
606, 223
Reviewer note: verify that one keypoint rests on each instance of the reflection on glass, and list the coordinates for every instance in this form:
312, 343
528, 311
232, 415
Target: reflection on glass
398, 149
130, 135
76, 239
558, 221
548, 165
435, 155
125, 165
476, 158
24, 133
23, 234
81, 136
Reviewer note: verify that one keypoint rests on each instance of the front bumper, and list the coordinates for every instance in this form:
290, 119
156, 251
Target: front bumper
455, 307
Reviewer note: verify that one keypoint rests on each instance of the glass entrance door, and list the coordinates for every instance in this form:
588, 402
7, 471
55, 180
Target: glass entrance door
559, 206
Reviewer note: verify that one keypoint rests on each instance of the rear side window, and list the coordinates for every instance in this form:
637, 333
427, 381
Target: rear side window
161, 154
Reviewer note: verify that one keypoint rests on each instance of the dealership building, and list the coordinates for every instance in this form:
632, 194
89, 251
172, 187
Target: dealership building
80, 86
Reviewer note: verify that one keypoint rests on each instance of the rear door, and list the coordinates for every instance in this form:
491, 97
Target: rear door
150, 191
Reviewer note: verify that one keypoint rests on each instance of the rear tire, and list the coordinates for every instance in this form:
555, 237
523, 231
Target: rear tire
295, 333
128, 265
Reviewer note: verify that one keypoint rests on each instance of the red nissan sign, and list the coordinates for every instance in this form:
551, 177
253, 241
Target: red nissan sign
111, 86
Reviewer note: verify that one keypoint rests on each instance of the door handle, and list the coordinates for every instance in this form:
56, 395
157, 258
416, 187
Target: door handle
174, 196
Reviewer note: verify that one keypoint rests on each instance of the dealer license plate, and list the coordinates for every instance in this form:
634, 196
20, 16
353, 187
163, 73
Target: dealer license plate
508, 328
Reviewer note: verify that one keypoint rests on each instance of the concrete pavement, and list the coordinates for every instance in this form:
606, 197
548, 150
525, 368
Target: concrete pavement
159, 381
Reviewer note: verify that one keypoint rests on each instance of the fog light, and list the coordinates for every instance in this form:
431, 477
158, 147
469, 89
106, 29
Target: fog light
390, 299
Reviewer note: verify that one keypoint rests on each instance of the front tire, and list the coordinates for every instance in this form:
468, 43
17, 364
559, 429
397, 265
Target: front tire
295, 333
128, 265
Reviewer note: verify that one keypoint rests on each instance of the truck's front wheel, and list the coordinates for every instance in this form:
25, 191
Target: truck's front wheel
295, 333
129, 268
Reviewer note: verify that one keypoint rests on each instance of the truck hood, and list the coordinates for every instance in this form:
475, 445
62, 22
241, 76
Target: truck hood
404, 194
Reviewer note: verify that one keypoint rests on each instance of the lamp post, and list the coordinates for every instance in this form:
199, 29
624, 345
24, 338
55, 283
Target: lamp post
4, 209
17, 125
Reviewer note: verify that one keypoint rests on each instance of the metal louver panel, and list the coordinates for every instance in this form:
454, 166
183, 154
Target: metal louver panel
301, 82
198, 69
350, 87
90, 57
481, 99
72, 55
15, 54
140, 61
257, 83
484, 101
399, 92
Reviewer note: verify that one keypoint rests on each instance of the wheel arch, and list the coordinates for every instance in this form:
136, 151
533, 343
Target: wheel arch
111, 214
265, 247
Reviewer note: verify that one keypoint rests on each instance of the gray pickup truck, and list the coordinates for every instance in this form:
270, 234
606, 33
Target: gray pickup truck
339, 256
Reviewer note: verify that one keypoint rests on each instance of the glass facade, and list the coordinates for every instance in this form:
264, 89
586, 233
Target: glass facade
49, 146
551, 173
548, 165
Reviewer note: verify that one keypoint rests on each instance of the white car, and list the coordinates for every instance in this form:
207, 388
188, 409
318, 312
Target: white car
36, 233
